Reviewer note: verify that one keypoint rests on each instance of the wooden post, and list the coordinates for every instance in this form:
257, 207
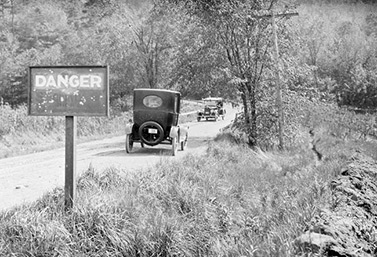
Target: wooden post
279, 101
70, 161
277, 84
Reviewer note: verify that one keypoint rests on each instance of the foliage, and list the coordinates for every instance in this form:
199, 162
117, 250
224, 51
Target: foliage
199, 71
338, 40
70, 33
326, 56
241, 33
302, 115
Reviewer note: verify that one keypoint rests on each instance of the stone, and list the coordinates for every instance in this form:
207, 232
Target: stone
348, 227
314, 242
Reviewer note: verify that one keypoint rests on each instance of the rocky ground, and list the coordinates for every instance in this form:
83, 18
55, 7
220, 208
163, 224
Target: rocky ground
348, 227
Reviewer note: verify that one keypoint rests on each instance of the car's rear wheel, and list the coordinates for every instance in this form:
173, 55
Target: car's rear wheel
184, 143
151, 133
174, 143
129, 143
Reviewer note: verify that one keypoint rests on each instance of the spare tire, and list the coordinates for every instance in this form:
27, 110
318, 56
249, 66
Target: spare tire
151, 133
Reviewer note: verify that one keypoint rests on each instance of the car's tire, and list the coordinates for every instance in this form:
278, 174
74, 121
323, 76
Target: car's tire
129, 143
183, 144
151, 139
174, 143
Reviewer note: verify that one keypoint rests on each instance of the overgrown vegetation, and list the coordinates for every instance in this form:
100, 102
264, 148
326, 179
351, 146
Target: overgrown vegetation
230, 202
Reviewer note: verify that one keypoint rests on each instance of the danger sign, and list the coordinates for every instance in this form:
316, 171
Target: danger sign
69, 91
66, 81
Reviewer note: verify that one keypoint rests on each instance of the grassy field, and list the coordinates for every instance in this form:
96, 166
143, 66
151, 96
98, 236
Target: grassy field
230, 202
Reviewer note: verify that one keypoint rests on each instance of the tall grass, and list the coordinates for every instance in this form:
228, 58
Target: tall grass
230, 202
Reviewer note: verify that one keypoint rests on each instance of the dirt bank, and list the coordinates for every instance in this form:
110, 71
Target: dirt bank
348, 227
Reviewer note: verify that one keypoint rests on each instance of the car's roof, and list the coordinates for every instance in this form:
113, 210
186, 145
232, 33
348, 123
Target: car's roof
156, 90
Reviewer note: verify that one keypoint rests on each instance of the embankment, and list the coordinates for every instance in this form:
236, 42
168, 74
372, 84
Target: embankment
348, 227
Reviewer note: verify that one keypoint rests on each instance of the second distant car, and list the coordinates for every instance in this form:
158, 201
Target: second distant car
213, 109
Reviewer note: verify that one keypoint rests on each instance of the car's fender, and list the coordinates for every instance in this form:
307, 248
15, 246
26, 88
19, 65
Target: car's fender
174, 131
129, 128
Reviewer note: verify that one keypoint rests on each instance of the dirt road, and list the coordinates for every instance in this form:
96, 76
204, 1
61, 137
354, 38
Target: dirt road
26, 178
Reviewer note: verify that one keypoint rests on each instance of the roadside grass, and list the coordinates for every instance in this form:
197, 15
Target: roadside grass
229, 202
22, 134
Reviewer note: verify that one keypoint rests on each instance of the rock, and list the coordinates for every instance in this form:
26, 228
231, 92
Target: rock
349, 226
314, 242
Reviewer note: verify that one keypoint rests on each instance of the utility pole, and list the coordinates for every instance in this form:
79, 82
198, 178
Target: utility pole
279, 102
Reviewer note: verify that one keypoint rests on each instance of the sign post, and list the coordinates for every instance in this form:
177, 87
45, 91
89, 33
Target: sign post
69, 91
70, 161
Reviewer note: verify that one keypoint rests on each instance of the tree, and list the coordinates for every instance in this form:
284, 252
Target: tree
337, 42
245, 39
34, 38
199, 69
154, 41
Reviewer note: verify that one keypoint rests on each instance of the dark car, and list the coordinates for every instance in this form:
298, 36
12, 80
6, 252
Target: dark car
213, 109
155, 120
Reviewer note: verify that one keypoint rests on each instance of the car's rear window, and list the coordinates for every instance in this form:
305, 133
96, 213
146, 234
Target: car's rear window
152, 101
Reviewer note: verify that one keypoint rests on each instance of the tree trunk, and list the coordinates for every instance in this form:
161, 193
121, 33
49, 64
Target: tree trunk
253, 133
245, 109
249, 103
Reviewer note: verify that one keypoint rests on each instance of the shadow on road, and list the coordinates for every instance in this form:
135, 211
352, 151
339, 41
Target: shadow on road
160, 150
137, 151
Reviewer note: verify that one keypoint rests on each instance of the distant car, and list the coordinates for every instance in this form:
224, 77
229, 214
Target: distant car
155, 120
213, 109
